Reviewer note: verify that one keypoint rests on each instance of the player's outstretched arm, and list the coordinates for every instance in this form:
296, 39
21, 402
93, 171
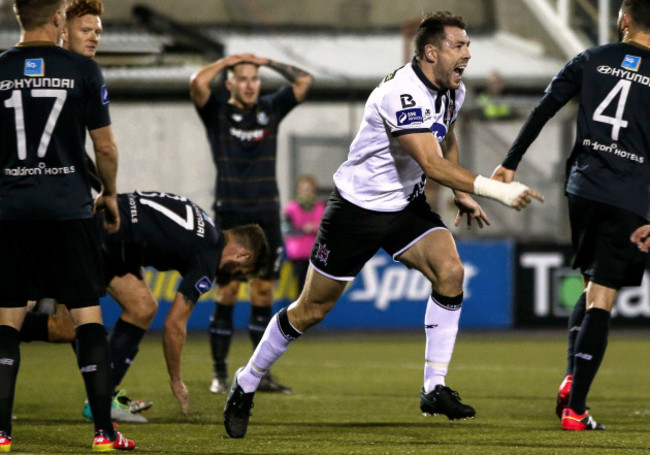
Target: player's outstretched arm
106, 158
200, 81
641, 237
425, 150
174, 333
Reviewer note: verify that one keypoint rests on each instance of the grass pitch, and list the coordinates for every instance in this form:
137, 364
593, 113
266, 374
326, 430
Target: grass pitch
354, 394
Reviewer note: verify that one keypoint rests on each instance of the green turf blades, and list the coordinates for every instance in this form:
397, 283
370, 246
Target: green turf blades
355, 394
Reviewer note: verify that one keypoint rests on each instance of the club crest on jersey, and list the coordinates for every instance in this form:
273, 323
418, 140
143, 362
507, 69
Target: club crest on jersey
439, 131
34, 67
631, 62
262, 118
409, 116
322, 254
203, 285
105, 99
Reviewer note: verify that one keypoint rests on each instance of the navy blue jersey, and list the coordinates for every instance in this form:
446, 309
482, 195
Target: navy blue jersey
167, 232
244, 149
48, 98
609, 160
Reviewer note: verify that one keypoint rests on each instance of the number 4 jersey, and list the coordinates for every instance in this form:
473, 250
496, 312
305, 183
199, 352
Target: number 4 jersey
609, 160
167, 232
48, 97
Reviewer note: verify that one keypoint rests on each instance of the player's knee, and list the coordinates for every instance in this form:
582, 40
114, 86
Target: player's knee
227, 294
262, 292
142, 314
451, 277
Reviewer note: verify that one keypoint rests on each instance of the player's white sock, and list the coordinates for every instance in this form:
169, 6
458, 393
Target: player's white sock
274, 343
441, 326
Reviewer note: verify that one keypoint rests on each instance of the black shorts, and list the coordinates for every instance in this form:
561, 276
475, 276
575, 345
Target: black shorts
601, 240
60, 259
350, 235
270, 224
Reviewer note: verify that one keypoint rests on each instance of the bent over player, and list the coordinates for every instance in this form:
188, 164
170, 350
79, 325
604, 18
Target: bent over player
167, 232
48, 236
406, 135
608, 188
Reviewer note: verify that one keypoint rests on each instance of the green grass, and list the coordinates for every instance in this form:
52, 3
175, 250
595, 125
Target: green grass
354, 394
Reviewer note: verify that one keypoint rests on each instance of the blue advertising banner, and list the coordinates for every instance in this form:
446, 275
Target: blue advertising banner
385, 295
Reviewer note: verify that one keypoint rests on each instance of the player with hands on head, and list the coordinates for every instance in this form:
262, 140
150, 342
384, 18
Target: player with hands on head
242, 128
607, 187
406, 136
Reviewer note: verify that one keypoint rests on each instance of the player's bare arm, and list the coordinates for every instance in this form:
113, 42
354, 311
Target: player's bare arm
466, 205
106, 159
200, 81
174, 333
424, 149
300, 78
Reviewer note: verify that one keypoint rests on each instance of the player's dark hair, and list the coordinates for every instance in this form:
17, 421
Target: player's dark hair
78, 8
432, 29
639, 11
33, 14
251, 237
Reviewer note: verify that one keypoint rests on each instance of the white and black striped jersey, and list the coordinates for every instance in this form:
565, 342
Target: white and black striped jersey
378, 174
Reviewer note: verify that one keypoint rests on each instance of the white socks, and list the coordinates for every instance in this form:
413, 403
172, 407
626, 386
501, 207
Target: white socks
441, 327
274, 343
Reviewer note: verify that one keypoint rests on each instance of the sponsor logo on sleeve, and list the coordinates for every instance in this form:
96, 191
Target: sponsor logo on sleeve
439, 131
203, 285
105, 99
409, 117
406, 100
631, 62
34, 67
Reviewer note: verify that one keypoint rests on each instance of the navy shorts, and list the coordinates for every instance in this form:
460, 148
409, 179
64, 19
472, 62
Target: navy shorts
601, 239
59, 259
350, 235
270, 224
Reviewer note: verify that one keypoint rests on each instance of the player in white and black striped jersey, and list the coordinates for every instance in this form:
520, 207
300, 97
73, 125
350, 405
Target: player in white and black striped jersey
406, 135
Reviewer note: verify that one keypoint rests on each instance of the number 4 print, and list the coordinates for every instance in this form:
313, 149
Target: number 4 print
616, 122
16, 102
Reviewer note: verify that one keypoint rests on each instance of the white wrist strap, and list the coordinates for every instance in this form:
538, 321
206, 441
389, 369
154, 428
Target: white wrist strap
506, 193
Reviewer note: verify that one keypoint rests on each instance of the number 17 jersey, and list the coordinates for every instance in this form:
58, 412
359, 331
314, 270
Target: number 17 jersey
48, 98
609, 160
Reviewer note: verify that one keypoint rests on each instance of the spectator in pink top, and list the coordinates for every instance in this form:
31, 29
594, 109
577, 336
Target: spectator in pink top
302, 217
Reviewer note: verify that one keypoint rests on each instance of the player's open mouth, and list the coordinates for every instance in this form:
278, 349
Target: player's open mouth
459, 70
